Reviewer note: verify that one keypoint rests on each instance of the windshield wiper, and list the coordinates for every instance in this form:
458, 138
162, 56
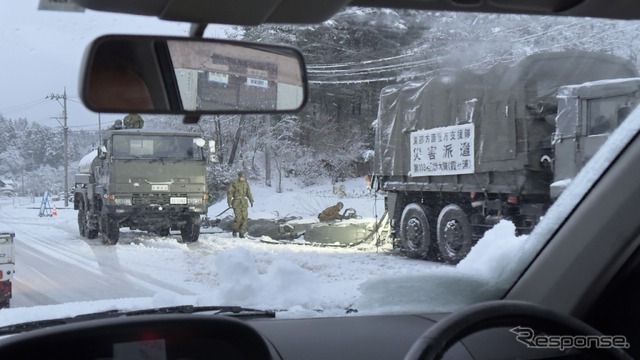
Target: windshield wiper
234, 311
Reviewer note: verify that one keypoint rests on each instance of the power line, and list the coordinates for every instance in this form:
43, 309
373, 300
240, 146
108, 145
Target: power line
23, 107
416, 64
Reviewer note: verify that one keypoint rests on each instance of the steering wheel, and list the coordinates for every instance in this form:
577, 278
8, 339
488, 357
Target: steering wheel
498, 313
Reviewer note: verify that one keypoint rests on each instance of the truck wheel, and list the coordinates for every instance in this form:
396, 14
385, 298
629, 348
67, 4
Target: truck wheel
415, 232
454, 234
163, 231
82, 222
90, 228
110, 230
190, 231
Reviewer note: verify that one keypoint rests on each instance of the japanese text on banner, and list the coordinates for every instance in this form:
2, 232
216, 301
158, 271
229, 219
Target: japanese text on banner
443, 151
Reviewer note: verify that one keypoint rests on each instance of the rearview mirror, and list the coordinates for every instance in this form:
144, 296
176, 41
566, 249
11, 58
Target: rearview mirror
176, 75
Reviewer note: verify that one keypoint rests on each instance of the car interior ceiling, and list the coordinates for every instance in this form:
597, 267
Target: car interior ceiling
297, 12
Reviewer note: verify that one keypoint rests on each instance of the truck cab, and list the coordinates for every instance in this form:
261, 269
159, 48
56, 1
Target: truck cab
587, 114
144, 180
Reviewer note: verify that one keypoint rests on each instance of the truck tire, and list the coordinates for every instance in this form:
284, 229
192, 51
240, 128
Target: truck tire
415, 232
90, 228
110, 230
82, 222
190, 231
87, 227
454, 234
163, 231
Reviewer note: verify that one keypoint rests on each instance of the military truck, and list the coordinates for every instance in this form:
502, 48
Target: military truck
463, 150
6, 267
144, 180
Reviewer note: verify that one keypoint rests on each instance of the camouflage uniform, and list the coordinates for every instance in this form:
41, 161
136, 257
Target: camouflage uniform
237, 195
133, 121
331, 213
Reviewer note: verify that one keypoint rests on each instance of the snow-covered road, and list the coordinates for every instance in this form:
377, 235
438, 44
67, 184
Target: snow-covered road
55, 265
59, 273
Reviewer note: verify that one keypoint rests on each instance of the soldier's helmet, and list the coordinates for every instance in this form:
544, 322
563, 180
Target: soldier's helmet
118, 124
241, 174
340, 204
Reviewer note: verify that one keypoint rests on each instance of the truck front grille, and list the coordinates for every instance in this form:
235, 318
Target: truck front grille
153, 199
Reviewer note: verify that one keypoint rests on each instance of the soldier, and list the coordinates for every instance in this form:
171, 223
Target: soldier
133, 121
117, 125
237, 195
331, 213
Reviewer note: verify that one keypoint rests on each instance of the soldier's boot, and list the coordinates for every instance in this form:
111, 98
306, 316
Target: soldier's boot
242, 235
235, 234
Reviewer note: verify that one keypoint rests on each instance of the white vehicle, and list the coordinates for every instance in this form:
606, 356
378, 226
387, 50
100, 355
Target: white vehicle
7, 267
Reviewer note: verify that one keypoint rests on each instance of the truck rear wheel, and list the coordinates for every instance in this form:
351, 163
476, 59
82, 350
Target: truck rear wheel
415, 232
110, 230
190, 231
454, 234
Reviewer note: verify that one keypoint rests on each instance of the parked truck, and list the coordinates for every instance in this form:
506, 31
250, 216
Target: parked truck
144, 180
6, 267
463, 150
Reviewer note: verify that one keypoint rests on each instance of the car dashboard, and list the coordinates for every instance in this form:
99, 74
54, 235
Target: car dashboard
180, 336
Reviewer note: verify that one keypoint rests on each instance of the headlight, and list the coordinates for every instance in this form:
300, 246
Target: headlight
123, 201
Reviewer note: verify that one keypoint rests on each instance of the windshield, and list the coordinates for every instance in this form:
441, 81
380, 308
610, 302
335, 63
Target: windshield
418, 178
154, 146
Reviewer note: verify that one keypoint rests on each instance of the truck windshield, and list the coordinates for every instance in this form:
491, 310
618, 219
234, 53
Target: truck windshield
155, 146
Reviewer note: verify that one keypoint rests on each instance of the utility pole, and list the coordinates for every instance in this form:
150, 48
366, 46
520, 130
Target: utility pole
57, 97
267, 153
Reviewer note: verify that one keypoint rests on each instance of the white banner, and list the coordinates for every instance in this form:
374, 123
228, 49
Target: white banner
443, 151
218, 78
258, 82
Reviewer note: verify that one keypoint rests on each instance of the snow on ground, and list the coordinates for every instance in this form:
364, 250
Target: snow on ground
60, 274
310, 202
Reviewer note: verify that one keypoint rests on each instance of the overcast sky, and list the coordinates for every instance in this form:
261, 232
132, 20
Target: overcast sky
41, 53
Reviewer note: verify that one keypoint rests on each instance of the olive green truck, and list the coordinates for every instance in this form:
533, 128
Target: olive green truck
144, 180
460, 152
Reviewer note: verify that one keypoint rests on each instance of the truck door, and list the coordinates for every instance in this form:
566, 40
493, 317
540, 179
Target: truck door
600, 117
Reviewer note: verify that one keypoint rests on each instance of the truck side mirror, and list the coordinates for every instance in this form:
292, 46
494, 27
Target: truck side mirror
102, 152
623, 112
